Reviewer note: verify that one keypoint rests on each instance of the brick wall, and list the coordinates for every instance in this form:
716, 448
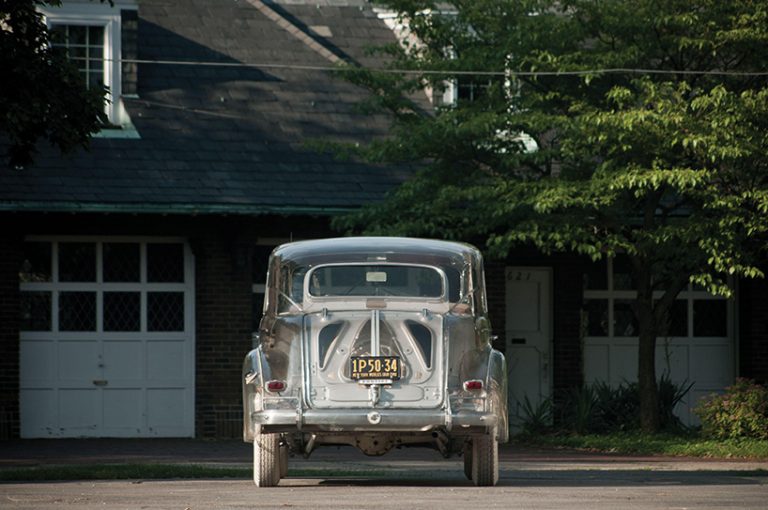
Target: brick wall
10, 259
753, 330
497, 308
567, 303
223, 310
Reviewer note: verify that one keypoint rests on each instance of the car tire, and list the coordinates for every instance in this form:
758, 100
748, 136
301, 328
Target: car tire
485, 460
468, 459
266, 459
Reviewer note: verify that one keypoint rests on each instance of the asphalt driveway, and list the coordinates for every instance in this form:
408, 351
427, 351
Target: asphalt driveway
530, 478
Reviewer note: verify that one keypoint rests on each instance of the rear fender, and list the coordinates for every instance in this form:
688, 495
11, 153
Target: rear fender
496, 382
256, 370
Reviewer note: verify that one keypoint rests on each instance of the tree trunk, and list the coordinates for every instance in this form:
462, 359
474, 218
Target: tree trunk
646, 359
646, 375
651, 315
646, 366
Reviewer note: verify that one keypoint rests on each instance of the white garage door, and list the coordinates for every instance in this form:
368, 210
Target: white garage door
698, 346
107, 340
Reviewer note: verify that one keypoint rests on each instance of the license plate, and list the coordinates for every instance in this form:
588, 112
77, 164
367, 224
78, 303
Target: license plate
365, 368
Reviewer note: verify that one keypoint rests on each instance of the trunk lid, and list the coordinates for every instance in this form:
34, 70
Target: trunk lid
415, 339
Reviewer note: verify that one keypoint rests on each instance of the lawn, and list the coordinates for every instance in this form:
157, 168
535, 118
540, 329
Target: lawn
638, 443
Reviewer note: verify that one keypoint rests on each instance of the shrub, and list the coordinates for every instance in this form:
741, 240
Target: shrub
670, 395
741, 412
617, 408
601, 408
537, 418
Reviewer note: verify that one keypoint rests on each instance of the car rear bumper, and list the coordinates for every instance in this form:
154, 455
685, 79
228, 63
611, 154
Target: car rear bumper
372, 420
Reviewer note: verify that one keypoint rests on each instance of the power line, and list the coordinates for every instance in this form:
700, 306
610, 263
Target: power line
302, 67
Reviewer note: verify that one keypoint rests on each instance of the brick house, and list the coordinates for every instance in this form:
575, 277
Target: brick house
131, 274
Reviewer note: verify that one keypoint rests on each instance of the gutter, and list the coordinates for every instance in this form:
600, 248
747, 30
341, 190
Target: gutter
179, 209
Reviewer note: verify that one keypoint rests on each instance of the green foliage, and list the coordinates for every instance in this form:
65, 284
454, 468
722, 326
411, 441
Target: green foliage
741, 412
602, 408
42, 95
580, 408
536, 418
667, 166
638, 443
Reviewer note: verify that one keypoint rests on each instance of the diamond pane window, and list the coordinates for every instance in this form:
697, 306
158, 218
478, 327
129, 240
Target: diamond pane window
83, 44
165, 262
122, 311
77, 311
77, 262
678, 319
596, 315
35, 311
710, 317
121, 262
624, 320
165, 311
36, 266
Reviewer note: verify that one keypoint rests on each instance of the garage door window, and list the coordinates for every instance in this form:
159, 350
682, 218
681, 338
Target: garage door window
77, 262
36, 311
77, 311
165, 311
95, 286
608, 311
122, 311
165, 263
122, 262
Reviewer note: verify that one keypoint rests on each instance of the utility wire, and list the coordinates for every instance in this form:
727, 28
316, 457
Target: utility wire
301, 67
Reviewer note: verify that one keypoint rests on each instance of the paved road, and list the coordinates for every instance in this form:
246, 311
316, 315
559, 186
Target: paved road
550, 484
530, 479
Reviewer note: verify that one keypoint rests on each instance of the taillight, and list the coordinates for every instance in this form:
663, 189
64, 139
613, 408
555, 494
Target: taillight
275, 386
473, 385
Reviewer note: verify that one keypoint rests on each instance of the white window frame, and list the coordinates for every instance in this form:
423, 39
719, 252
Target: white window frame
108, 17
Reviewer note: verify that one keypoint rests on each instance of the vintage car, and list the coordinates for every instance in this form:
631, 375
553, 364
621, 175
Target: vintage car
378, 343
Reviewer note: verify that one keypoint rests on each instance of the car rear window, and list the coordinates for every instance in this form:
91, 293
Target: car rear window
376, 280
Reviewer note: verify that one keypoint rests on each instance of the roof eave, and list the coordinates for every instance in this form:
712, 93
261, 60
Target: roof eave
176, 209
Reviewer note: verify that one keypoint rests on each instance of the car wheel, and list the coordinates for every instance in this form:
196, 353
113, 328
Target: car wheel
266, 459
485, 460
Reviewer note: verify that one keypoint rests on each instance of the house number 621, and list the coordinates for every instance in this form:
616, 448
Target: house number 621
520, 276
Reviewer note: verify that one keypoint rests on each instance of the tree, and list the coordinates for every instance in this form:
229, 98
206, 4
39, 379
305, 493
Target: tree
650, 126
42, 95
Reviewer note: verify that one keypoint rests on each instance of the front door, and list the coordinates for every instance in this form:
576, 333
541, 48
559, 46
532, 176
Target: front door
528, 339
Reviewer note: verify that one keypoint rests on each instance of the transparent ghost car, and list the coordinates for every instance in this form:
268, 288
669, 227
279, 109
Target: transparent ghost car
378, 343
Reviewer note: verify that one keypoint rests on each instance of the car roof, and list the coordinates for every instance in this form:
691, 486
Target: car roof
378, 249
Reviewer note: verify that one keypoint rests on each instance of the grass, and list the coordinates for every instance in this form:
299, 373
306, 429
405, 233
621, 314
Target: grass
119, 472
638, 443
152, 472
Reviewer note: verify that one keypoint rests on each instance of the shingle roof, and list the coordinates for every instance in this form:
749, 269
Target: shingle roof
227, 139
